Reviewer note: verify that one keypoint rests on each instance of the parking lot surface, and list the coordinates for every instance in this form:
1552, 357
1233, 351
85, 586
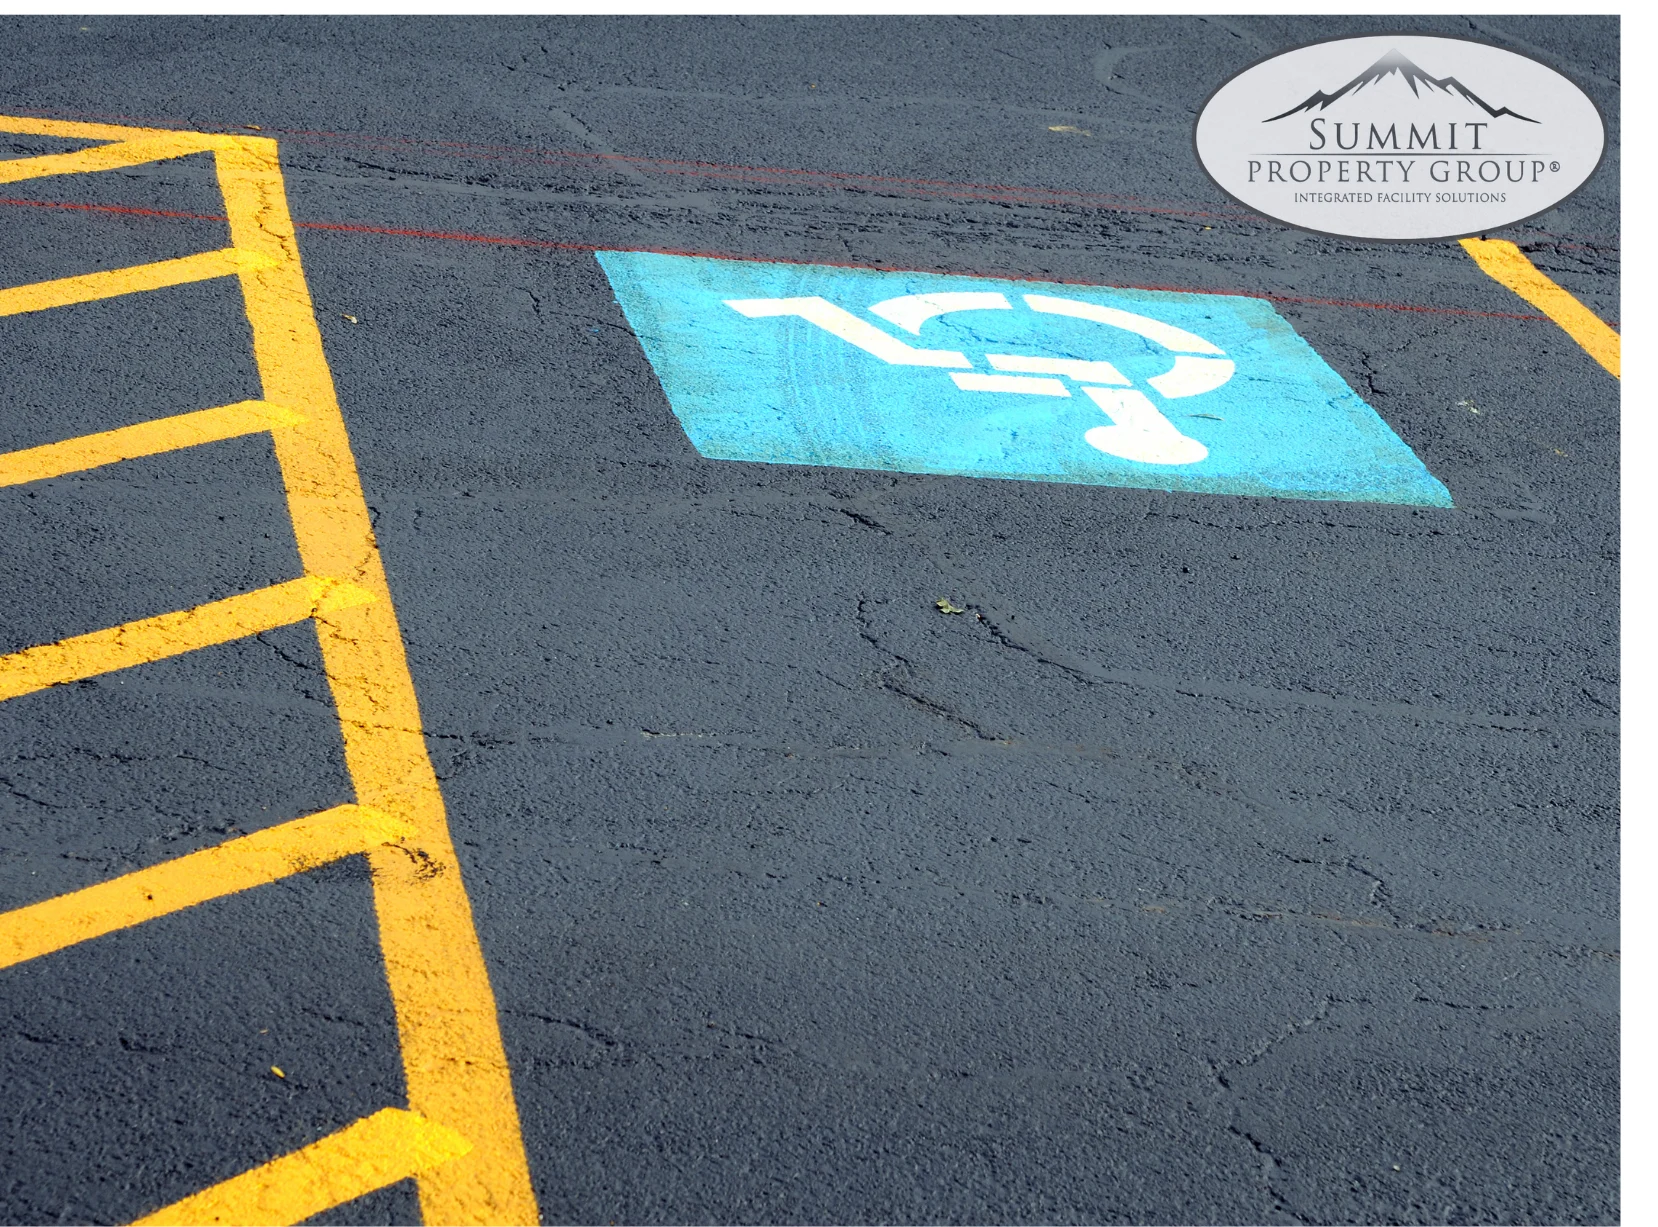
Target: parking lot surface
718, 831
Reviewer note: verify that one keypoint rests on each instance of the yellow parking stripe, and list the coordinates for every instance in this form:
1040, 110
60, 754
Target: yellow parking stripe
172, 634
454, 1062
1505, 262
378, 1150
103, 157
145, 439
239, 864
112, 283
76, 130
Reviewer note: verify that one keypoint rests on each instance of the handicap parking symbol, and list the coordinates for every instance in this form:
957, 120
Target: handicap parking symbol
977, 377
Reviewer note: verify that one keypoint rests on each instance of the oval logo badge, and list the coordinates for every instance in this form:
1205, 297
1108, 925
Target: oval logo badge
1399, 137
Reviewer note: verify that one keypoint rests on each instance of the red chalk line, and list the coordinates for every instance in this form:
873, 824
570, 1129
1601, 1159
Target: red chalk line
499, 240
936, 188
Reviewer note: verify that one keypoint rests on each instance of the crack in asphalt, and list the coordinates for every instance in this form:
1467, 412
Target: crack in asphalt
1011, 632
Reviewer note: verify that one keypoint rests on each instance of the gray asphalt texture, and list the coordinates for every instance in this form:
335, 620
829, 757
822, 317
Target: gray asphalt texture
1230, 860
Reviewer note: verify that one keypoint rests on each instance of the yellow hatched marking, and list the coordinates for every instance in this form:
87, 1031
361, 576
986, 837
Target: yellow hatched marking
103, 157
172, 634
89, 287
236, 865
145, 439
378, 1150
1504, 262
454, 1063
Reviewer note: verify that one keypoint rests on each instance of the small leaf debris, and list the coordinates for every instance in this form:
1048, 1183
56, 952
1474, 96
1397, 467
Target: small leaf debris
350, 319
944, 606
278, 1071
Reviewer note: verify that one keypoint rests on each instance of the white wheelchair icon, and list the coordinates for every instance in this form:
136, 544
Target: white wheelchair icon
1138, 430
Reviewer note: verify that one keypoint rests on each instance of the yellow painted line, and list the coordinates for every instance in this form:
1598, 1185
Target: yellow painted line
378, 1150
172, 634
1505, 262
99, 132
102, 157
236, 865
454, 1063
112, 283
145, 439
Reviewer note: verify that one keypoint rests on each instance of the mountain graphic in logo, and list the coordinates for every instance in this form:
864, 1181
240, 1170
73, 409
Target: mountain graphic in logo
1394, 62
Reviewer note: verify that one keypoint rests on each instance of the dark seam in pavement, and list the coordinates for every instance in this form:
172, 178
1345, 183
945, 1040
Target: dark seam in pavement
710, 169
738, 171
1387, 919
554, 245
743, 173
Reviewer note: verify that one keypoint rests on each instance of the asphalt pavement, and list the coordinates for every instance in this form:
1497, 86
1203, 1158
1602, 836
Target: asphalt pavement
1226, 859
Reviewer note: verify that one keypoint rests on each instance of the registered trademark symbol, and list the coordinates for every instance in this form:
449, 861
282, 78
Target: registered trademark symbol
1554, 165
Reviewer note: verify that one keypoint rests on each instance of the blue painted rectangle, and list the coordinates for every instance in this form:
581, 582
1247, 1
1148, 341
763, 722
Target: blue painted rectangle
1075, 369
